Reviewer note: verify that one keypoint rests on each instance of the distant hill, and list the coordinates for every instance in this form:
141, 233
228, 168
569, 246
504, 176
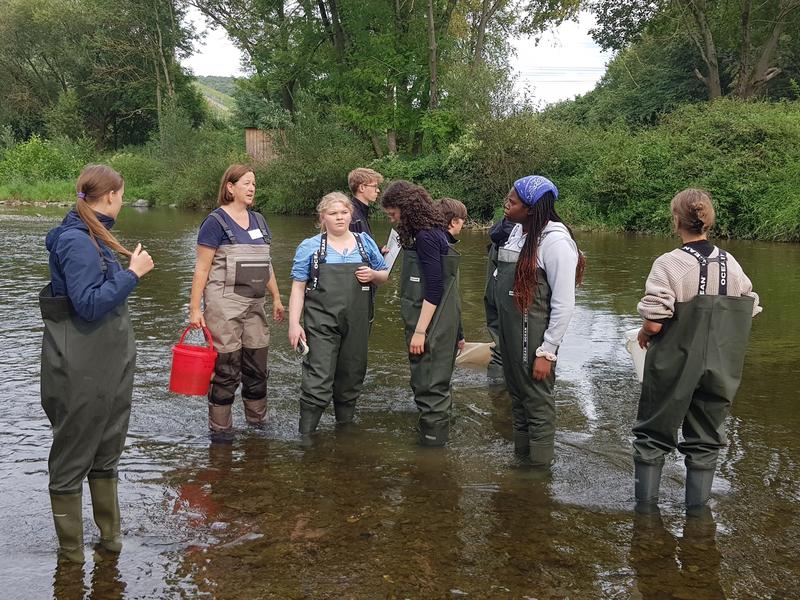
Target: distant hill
214, 91
225, 85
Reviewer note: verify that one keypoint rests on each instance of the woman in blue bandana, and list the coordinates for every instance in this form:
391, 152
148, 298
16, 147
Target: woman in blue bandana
537, 271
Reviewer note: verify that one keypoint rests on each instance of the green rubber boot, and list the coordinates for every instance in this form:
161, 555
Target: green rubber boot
434, 436
698, 486
309, 418
105, 507
522, 444
68, 519
646, 484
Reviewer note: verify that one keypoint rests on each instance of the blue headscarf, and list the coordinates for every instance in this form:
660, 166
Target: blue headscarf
530, 189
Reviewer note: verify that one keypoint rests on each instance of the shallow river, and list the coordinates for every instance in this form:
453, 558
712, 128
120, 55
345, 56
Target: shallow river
368, 514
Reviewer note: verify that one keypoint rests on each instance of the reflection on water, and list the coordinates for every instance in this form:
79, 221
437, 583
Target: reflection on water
362, 512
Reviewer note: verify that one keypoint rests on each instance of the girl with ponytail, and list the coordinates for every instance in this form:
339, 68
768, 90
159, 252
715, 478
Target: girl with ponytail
534, 286
88, 358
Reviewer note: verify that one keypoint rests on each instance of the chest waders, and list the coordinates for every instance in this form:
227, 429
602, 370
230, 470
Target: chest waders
494, 371
533, 408
692, 371
235, 313
432, 371
86, 388
336, 319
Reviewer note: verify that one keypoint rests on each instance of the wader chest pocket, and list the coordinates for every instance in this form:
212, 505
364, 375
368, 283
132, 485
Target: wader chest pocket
251, 279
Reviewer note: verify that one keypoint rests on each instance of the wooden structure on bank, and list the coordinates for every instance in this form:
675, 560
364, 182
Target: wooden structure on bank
261, 144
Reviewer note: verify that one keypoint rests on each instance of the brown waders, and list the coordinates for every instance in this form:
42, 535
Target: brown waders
533, 408
86, 386
691, 374
235, 313
432, 371
494, 371
336, 318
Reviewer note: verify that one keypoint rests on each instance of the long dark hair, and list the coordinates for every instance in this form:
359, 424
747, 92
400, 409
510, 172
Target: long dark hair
526, 276
417, 211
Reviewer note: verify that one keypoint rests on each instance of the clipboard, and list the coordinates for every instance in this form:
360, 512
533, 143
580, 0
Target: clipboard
393, 243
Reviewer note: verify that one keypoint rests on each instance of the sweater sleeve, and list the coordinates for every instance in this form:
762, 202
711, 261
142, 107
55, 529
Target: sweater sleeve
559, 262
430, 260
91, 293
746, 286
658, 302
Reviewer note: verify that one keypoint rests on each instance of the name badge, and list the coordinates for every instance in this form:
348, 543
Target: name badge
414, 279
364, 288
255, 234
510, 292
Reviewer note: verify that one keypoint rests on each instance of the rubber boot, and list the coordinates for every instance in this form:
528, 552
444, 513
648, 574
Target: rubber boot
434, 436
345, 413
220, 418
522, 444
542, 455
647, 480
68, 519
698, 486
255, 412
105, 507
309, 418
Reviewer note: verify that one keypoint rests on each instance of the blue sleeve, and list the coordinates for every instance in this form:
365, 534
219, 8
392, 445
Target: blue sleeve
210, 234
430, 260
375, 257
91, 294
301, 266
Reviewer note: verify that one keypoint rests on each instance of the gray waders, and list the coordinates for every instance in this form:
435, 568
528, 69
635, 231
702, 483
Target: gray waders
533, 409
86, 386
432, 371
235, 313
691, 374
494, 371
336, 319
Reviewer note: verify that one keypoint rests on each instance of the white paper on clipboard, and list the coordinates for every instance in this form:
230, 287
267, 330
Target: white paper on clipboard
393, 243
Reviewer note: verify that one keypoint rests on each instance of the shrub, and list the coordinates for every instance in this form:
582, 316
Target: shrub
44, 160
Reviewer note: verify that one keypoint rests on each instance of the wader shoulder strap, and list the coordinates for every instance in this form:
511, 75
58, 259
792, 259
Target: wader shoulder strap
262, 225
231, 238
722, 259
317, 259
361, 250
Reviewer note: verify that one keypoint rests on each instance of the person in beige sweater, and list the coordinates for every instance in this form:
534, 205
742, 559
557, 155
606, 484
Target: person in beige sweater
697, 310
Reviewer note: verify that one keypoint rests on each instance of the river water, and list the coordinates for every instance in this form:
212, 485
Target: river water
365, 513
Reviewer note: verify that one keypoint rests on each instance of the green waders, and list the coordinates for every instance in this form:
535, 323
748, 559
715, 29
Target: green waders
235, 313
494, 371
336, 318
86, 387
691, 374
533, 408
432, 370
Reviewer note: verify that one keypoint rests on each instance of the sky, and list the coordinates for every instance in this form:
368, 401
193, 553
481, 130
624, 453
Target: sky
566, 62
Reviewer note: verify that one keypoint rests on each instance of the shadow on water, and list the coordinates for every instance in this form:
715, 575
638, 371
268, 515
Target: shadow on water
362, 512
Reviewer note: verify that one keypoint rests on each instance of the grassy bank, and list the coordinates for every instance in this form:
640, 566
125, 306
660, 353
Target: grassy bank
746, 154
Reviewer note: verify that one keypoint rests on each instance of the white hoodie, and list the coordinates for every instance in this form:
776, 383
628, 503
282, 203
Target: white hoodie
558, 257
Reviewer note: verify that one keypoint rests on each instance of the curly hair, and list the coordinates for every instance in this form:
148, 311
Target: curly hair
417, 211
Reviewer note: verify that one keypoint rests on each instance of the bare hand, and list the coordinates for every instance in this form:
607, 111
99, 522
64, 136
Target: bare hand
296, 333
277, 310
460, 345
385, 250
643, 339
141, 262
365, 274
417, 345
196, 319
541, 368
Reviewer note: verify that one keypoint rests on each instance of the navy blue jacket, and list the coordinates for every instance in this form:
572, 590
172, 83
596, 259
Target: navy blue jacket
76, 269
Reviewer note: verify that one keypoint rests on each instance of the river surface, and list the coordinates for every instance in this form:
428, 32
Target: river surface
365, 513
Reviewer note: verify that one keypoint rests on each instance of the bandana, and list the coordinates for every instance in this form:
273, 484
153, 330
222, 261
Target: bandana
530, 189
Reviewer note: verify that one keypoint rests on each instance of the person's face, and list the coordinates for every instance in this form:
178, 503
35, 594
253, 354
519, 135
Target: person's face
515, 209
455, 225
393, 214
244, 190
115, 200
369, 191
336, 219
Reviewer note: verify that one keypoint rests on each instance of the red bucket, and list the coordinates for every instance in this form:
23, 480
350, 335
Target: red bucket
192, 366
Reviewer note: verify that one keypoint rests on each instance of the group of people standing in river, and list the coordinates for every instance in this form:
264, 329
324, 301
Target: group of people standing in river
697, 310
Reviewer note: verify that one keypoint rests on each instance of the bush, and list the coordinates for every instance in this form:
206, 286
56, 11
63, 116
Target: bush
44, 160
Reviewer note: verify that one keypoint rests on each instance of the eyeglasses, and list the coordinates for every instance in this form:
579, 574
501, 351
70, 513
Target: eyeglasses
375, 185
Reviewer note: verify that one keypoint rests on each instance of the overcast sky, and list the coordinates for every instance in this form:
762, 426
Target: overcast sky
565, 63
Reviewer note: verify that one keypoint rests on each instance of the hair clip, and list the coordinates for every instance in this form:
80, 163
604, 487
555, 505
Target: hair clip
698, 224
82, 195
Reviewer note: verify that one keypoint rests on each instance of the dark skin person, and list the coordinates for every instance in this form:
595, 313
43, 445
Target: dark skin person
516, 211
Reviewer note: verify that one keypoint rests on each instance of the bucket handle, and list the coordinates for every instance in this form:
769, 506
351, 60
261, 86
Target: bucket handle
206, 332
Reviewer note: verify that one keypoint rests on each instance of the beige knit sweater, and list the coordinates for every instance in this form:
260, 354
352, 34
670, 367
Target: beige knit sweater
674, 278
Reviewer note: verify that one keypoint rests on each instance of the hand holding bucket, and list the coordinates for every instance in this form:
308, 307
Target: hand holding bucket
192, 366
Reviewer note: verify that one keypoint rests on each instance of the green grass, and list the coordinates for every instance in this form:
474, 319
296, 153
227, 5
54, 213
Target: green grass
218, 101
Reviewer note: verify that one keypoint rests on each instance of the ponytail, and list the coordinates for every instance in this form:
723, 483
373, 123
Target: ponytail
94, 182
